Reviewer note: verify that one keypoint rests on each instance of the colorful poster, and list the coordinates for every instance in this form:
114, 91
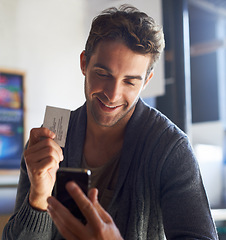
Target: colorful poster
11, 120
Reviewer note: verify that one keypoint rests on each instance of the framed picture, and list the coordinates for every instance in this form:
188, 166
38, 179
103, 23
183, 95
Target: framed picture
11, 118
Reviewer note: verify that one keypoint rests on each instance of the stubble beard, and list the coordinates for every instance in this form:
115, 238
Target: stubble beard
112, 122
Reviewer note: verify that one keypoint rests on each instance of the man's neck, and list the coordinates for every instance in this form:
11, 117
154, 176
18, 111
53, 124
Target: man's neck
102, 143
105, 136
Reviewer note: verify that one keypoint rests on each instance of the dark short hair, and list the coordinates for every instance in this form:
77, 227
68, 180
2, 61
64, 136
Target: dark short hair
136, 29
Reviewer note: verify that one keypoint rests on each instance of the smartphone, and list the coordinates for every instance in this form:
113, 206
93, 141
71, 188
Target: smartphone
82, 177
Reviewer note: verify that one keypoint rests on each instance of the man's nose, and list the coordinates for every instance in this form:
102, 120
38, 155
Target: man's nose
113, 91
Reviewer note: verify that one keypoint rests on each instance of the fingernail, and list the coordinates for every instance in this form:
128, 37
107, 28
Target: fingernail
52, 134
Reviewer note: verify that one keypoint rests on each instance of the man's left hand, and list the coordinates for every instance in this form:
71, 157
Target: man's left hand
99, 223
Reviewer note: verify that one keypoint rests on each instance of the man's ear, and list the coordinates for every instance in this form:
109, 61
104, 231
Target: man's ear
148, 79
83, 62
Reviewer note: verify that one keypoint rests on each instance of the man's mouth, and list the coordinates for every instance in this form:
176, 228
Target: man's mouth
108, 107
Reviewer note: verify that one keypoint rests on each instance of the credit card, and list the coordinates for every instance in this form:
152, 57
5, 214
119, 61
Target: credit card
57, 120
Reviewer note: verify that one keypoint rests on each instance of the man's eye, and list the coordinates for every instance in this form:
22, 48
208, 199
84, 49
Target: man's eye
130, 83
101, 74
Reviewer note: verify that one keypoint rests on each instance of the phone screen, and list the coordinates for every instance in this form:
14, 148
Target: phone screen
82, 178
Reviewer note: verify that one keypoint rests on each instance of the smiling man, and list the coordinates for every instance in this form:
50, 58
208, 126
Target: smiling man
146, 182
114, 79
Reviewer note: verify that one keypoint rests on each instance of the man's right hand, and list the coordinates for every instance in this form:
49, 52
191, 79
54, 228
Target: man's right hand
42, 158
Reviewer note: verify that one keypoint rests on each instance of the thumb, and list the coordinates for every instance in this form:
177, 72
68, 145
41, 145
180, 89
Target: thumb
37, 134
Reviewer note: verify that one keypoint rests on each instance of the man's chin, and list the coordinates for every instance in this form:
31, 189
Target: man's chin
120, 120
107, 124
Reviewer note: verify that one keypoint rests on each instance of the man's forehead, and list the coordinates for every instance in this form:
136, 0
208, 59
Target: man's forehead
107, 43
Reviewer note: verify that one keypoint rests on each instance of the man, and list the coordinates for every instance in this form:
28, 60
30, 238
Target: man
148, 180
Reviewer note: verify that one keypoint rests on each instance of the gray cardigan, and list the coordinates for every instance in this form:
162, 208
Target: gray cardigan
159, 190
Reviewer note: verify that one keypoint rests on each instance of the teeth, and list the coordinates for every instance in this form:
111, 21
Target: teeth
110, 106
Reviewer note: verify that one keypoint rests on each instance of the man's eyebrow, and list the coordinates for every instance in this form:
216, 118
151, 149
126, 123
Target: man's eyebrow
138, 77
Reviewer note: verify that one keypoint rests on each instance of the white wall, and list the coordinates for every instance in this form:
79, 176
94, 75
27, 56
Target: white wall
44, 39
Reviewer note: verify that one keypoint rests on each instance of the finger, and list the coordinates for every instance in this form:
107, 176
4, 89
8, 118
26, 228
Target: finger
85, 205
67, 224
37, 133
93, 196
46, 152
44, 148
43, 143
51, 143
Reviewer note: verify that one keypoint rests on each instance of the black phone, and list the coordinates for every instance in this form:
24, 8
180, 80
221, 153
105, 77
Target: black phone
79, 175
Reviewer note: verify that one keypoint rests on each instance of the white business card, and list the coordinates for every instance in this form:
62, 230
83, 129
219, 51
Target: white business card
57, 120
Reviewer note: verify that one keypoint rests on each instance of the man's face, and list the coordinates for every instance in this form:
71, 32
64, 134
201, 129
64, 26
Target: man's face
114, 79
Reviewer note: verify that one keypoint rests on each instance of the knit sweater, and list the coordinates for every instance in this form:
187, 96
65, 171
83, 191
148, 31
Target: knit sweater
159, 191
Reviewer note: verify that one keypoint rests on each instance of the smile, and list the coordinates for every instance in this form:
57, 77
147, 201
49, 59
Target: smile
106, 107
110, 106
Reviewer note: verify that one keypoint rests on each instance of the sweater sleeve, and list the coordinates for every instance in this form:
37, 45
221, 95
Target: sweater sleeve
26, 222
185, 207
